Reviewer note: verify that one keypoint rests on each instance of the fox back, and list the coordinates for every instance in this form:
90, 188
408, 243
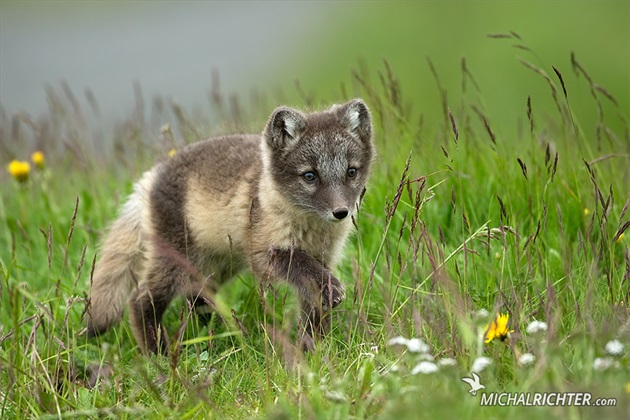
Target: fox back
280, 204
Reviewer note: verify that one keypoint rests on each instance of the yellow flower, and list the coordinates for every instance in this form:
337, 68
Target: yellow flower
497, 328
586, 211
628, 388
19, 170
38, 159
172, 152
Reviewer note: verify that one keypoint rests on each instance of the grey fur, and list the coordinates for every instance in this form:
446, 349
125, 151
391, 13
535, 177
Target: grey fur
235, 202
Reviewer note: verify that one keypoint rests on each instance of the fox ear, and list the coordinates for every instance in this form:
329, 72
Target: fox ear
355, 117
284, 128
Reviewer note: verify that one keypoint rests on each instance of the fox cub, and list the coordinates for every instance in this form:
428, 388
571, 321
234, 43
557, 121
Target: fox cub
279, 204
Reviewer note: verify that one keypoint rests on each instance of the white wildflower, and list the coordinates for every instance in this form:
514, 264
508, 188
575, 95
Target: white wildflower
398, 341
425, 368
374, 349
614, 348
447, 361
535, 327
481, 314
526, 359
603, 363
481, 363
415, 345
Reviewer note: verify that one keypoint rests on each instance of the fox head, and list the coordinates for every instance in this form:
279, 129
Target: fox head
320, 162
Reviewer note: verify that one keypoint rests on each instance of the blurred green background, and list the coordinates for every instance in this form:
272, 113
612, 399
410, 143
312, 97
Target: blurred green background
406, 33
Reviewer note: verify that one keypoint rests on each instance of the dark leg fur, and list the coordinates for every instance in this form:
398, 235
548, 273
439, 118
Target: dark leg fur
149, 301
92, 331
146, 315
319, 291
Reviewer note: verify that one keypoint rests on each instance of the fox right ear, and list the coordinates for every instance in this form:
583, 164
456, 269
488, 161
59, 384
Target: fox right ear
355, 117
284, 128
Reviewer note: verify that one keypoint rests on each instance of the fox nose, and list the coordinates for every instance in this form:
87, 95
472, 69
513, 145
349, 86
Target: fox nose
340, 213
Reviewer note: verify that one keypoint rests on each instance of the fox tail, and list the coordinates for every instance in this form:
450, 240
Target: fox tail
122, 260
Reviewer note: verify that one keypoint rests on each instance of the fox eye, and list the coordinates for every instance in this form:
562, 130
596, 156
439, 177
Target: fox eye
352, 172
309, 176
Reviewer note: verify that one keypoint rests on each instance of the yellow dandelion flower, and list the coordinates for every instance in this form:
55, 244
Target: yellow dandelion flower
38, 159
586, 211
19, 170
498, 328
172, 152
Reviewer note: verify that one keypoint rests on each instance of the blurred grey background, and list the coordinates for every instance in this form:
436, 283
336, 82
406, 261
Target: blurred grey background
169, 48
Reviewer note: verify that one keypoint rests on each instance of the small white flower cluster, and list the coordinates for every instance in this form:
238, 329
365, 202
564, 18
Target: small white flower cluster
414, 345
398, 341
536, 327
447, 362
614, 348
604, 363
482, 314
427, 365
481, 363
526, 359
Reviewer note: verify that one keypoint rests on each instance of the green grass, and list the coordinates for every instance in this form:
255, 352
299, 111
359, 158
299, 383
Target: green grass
451, 224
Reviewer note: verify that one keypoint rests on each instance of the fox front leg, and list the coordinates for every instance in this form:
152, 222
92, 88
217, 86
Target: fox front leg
319, 291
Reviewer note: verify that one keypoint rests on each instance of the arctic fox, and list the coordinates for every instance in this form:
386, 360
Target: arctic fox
279, 204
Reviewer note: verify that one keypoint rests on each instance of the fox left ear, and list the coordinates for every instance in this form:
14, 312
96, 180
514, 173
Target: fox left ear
355, 117
284, 128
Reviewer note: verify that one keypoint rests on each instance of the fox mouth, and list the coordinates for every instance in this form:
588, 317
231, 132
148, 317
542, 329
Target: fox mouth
335, 216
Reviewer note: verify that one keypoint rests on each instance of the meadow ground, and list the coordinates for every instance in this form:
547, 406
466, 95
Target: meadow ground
461, 222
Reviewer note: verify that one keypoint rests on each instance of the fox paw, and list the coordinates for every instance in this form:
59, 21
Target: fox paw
333, 293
